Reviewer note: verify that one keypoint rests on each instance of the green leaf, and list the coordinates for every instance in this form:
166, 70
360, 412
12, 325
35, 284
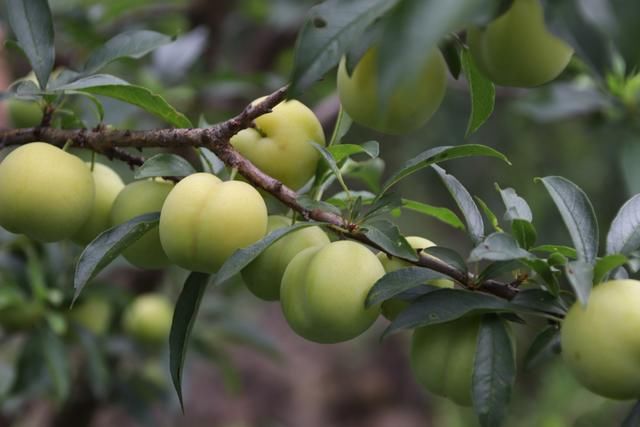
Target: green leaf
342, 126
330, 162
524, 233
249, 336
164, 164
96, 363
541, 301
497, 269
308, 203
633, 417
382, 205
89, 81
368, 171
607, 264
330, 29
444, 215
396, 282
444, 305
130, 44
470, 212
95, 101
580, 275
447, 255
440, 154
243, 257
543, 270
516, 207
386, 235
481, 91
567, 251
56, 359
493, 219
108, 245
31, 22
451, 52
624, 233
183, 319
342, 151
577, 213
544, 346
341, 199
494, 372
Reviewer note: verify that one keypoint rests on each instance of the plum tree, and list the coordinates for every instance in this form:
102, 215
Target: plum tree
279, 143
600, 342
516, 49
135, 199
45, 192
205, 220
148, 318
107, 184
442, 358
411, 104
324, 289
264, 275
392, 307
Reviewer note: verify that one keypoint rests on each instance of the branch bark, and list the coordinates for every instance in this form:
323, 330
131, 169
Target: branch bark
216, 138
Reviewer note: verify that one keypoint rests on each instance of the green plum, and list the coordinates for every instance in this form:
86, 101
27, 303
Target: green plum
93, 314
148, 318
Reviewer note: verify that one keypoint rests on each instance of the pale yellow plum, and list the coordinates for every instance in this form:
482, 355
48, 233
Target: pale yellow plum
324, 289
204, 221
517, 49
148, 318
107, 185
135, 199
412, 102
279, 145
45, 192
392, 307
601, 343
442, 358
264, 275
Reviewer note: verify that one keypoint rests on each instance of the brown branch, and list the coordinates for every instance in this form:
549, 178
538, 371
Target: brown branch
216, 138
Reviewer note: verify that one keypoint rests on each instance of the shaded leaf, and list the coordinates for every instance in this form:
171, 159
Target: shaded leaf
56, 359
540, 300
96, 363
450, 51
624, 233
497, 269
567, 251
164, 164
481, 91
498, 247
543, 270
524, 233
89, 81
447, 255
580, 275
386, 235
441, 214
544, 346
399, 281
605, 265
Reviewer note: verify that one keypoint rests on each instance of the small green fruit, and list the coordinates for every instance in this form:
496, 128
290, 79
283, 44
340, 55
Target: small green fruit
148, 319
93, 314
24, 114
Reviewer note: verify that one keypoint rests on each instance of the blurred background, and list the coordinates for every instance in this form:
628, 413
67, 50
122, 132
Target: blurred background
246, 368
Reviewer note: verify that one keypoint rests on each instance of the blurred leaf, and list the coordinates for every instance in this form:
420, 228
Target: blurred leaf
561, 101
130, 44
330, 162
524, 233
442, 214
342, 126
231, 377
544, 346
451, 52
447, 255
383, 205
341, 199
89, 81
540, 300
95, 101
444, 305
342, 151
250, 336
567, 251
96, 364
624, 233
481, 91
108, 245
633, 417
440, 154
516, 207
56, 359
470, 212
577, 213
489, 214
310, 204
164, 164
30, 367
494, 372
31, 22
605, 265
580, 275
396, 282
243, 257
369, 172
386, 235
184, 316
331, 27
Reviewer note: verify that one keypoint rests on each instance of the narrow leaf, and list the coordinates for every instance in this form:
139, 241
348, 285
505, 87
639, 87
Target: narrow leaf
396, 282
444, 215
624, 234
108, 245
89, 81
607, 264
567, 251
183, 319
342, 151
540, 300
447, 255
577, 213
493, 219
524, 233
544, 347
481, 91
96, 363
580, 275
56, 359
164, 164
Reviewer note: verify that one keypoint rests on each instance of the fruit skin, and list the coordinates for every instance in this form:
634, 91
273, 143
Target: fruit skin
516, 49
601, 343
279, 145
24, 114
392, 307
148, 318
264, 275
204, 221
93, 314
324, 289
412, 103
45, 192
107, 185
135, 199
443, 355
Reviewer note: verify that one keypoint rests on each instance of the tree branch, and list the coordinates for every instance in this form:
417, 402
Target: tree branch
216, 138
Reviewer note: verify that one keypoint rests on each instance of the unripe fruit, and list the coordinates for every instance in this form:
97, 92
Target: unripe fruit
443, 355
280, 146
136, 199
24, 114
148, 319
45, 192
204, 221
107, 185
93, 314
601, 343
324, 289
392, 307
516, 49
264, 275
412, 102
